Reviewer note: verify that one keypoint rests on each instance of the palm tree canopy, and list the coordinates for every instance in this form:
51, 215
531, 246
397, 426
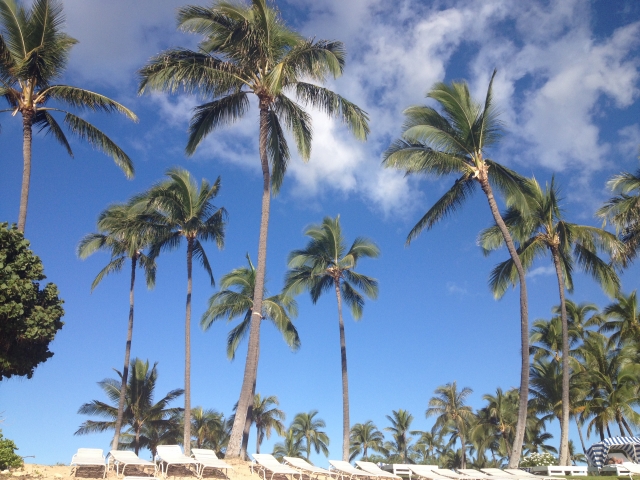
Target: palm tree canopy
452, 141
178, 208
540, 228
449, 406
307, 426
365, 437
267, 417
325, 261
33, 53
623, 319
249, 49
292, 446
235, 299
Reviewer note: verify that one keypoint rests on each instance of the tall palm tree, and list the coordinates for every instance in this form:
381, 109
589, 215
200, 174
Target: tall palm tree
449, 408
184, 210
364, 437
235, 299
455, 142
323, 264
291, 447
541, 229
267, 418
33, 54
306, 426
250, 50
400, 424
623, 211
139, 407
623, 319
125, 236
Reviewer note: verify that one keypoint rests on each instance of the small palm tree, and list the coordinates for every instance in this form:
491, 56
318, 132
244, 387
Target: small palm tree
449, 407
33, 53
267, 418
455, 142
140, 411
324, 264
249, 50
623, 319
364, 437
623, 211
400, 423
205, 424
182, 210
541, 229
125, 236
306, 426
291, 447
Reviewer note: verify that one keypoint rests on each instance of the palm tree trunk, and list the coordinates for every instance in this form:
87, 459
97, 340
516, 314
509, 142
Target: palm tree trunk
27, 123
127, 354
345, 380
624, 422
609, 431
464, 451
257, 439
619, 421
308, 448
253, 351
566, 373
187, 361
247, 427
514, 459
584, 449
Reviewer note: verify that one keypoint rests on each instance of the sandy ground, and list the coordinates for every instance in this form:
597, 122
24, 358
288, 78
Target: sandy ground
241, 471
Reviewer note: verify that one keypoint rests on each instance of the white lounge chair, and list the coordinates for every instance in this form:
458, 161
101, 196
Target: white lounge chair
375, 469
454, 475
305, 467
167, 455
522, 474
427, 471
127, 457
88, 457
207, 459
345, 469
473, 473
265, 462
633, 468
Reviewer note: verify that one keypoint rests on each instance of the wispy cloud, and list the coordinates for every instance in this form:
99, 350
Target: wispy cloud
541, 271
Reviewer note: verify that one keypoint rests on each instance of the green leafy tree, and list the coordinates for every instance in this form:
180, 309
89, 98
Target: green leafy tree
623, 211
448, 406
623, 320
364, 437
326, 263
33, 54
250, 50
182, 210
455, 142
307, 427
293, 446
401, 445
541, 229
8, 456
234, 299
267, 418
29, 316
139, 407
123, 234
206, 426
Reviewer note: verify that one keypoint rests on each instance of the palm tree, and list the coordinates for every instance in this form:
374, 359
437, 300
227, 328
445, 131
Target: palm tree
249, 50
400, 423
325, 263
291, 447
33, 53
454, 142
623, 211
501, 415
267, 418
539, 229
125, 236
182, 210
364, 437
306, 426
140, 411
623, 319
425, 450
448, 405
205, 424
236, 298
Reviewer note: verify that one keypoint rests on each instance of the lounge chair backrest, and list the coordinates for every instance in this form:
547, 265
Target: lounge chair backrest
204, 453
369, 466
90, 453
266, 459
169, 451
299, 462
122, 455
346, 466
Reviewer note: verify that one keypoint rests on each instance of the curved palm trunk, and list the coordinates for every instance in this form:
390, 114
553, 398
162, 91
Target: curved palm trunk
624, 422
584, 449
127, 354
187, 357
253, 351
345, 379
257, 439
27, 134
564, 419
247, 426
514, 459
464, 451
308, 447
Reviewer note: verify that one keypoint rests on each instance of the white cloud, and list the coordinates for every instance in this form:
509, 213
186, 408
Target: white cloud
541, 271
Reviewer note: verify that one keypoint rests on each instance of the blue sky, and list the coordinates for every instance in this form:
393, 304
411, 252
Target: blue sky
567, 86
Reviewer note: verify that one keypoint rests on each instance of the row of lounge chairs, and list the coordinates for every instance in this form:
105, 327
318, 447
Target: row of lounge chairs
167, 456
